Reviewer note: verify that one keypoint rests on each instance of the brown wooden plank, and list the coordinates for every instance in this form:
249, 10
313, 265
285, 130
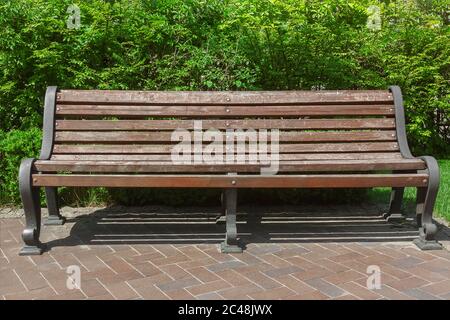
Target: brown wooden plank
241, 181
285, 166
283, 156
224, 111
164, 136
223, 97
284, 148
143, 125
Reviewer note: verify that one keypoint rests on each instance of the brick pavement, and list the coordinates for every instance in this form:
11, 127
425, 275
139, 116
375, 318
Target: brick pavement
138, 255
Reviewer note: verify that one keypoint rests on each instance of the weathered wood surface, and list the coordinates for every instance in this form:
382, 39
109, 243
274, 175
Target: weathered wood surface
167, 148
284, 124
224, 111
282, 156
242, 181
164, 136
223, 97
285, 166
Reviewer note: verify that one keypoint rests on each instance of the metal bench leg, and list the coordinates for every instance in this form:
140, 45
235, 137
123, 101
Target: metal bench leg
426, 197
222, 217
420, 204
32, 208
395, 206
54, 217
230, 245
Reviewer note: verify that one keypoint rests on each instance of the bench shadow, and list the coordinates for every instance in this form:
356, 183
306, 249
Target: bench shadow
165, 225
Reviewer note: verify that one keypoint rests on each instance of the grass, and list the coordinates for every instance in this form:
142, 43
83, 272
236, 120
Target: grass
442, 206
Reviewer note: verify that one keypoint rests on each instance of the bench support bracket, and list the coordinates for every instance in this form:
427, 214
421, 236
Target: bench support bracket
395, 205
230, 245
32, 208
426, 197
221, 219
54, 217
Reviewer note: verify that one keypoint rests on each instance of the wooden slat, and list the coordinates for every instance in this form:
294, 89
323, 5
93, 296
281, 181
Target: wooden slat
223, 97
242, 181
286, 166
224, 111
284, 148
142, 125
164, 136
283, 156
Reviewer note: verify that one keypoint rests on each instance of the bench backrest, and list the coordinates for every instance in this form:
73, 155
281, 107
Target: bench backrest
138, 125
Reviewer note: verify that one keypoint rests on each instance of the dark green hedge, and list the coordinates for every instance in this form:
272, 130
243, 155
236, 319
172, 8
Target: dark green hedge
219, 45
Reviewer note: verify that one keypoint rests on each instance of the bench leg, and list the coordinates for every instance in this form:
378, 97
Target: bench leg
54, 217
230, 245
420, 204
395, 205
221, 218
426, 197
32, 208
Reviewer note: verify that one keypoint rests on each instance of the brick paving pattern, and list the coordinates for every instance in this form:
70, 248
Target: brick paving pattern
123, 256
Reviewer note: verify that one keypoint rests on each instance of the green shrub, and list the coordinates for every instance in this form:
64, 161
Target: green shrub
222, 45
219, 45
15, 146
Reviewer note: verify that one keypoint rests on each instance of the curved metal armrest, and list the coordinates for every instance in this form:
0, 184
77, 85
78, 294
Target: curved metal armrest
432, 169
49, 123
400, 125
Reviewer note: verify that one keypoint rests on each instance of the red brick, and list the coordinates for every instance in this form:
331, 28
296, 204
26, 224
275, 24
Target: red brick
209, 296
346, 257
122, 291
314, 295
392, 294
37, 294
274, 294
240, 292
262, 280
10, 283
150, 292
343, 277
296, 285
360, 291
233, 277
275, 261
208, 287
312, 274
69, 295
31, 278
92, 288
179, 294
439, 288
203, 274
175, 272
408, 283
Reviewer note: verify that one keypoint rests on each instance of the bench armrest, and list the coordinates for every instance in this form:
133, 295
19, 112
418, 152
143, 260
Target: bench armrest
48, 135
400, 125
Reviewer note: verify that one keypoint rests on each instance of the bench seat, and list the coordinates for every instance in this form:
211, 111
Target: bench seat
284, 166
227, 181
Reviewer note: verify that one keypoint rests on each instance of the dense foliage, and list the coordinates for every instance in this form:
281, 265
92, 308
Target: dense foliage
14, 146
220, 45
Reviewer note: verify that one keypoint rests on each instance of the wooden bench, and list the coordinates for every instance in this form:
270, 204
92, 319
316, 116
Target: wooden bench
327, 139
